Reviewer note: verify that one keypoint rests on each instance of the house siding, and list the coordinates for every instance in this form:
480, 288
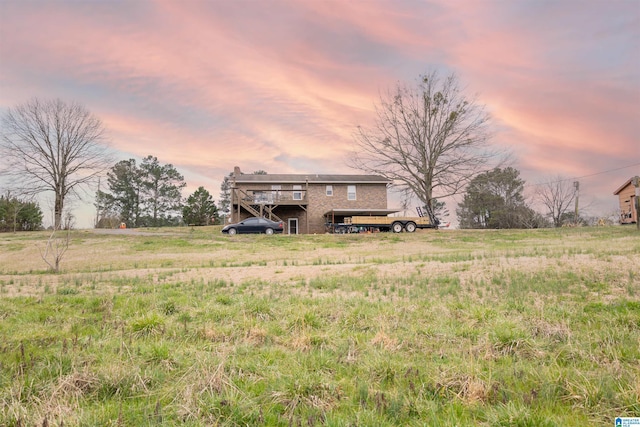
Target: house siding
310, 212
368, 196
627, 203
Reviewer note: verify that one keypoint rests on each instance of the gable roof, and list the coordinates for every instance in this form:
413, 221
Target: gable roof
622, 187
310, 178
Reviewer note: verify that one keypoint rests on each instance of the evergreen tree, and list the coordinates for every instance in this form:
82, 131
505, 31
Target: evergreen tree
123, 201
19, 215
29, 217
148, 195
494, 199
162, 189
200, 209
224, 203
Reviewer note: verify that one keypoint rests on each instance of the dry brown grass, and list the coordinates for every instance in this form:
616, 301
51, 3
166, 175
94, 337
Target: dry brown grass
474, 326
101, 262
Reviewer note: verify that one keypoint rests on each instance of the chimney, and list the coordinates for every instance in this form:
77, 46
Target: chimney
236, 171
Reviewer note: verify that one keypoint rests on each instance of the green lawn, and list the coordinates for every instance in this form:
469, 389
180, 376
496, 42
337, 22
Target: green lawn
436, 328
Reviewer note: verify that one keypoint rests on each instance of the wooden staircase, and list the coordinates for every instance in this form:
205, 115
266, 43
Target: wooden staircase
257, 209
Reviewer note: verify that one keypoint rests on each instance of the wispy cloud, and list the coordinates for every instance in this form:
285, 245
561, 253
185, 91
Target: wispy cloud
282, 85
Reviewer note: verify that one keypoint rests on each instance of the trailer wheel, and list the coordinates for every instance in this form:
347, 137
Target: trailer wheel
410, 227
396, 227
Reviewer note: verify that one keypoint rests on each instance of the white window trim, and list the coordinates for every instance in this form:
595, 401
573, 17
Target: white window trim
297, 192
329, 190
351, 195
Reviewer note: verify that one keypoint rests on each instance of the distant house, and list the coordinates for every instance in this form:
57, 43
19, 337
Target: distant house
627, 198
306, 202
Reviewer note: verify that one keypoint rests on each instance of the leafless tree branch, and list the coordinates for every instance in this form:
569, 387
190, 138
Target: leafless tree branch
556, 195
55, 248
53, 146
429, 139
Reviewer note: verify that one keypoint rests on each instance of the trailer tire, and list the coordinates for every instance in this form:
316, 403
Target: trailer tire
410, 227
396, 227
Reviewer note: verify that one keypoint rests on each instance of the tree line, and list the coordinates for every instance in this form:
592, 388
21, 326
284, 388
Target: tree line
432, 140
495, 199
18, 214
149, 194
59, 147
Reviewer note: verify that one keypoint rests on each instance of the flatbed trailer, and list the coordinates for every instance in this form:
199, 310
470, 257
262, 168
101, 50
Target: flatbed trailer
397, 224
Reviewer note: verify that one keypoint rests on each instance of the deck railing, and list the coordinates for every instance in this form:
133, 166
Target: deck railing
270, 197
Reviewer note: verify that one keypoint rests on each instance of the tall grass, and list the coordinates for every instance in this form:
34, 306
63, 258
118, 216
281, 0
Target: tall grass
506, 328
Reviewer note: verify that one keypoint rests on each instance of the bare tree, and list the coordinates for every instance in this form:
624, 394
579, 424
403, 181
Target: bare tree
55, 248
53, 146
557, 195
430, 139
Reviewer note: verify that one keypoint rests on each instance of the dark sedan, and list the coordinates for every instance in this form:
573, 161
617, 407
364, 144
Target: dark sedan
254, 225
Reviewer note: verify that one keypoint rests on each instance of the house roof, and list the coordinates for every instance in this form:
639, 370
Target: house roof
623, 186
311, 178
361, 212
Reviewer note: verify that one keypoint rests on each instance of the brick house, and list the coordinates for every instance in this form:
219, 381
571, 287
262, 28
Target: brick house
305, 202
627, 198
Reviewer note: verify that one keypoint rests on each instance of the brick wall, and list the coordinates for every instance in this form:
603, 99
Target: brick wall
368, 196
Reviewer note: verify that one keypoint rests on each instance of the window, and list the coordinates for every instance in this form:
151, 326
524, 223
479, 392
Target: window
351, 192
329, 190
297, 192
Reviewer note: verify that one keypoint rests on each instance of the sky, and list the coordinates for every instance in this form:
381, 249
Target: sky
281, 86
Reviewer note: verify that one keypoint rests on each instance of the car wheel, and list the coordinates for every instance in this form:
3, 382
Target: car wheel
268, 231
396, 227
410, 227
232, 231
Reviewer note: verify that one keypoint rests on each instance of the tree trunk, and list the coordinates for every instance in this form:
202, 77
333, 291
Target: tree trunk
57, 212
52, 146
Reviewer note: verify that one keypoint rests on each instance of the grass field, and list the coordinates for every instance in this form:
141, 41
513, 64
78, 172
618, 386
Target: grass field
437, 328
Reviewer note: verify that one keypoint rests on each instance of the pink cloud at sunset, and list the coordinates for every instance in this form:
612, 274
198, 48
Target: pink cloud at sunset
282, 85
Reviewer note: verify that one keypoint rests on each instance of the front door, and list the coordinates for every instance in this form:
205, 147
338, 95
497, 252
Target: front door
293, 225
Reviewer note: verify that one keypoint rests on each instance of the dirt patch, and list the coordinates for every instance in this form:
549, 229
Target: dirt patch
105, 264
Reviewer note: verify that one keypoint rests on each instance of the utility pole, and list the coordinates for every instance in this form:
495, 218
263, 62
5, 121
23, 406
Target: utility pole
576, 184
636, 183
97, 208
